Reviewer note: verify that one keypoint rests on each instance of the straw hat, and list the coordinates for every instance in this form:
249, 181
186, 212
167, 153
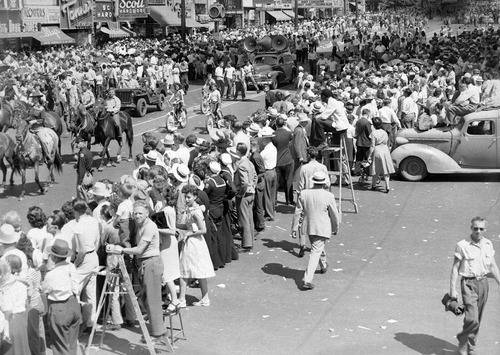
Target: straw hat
100, 189
168, 140
8, 234
254, 128
266, 132
181, 172
319, 178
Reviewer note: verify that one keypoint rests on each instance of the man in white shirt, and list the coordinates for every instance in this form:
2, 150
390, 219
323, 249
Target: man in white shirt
228, 76
219, 77
270, 156
465, 103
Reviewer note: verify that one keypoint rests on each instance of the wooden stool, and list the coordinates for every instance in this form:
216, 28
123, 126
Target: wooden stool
174, 334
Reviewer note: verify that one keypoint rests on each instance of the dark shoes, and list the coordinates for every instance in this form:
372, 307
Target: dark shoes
269, 219
307, 286
112, 327
129, 324
324, 269
302, 251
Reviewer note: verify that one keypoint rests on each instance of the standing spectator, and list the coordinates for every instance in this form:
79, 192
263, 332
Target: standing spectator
228, 77
150, 267
362, 134
61, 286
260, 170
317, 207
83, 168
219, 78
195, 260
474, 259
381, 162
299, 145
86, 234
184, 71
284, 162
270, 155
245, 180
38, 234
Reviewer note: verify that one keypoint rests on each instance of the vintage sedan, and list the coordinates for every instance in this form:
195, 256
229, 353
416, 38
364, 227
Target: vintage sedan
471, 147
273, 69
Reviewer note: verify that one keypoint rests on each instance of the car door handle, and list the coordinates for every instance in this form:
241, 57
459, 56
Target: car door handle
492, 142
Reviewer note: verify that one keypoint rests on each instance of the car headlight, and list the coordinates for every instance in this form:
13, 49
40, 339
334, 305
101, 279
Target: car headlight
269, 75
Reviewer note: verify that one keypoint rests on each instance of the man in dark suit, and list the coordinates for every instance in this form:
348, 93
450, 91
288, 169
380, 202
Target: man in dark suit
315, 206
245, 180
284, 163
299, 145
270, 97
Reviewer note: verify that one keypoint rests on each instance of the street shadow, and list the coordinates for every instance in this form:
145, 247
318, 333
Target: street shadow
287, 273
201, 130
114, 344
285, 209
283, 244
426, 344
486, 177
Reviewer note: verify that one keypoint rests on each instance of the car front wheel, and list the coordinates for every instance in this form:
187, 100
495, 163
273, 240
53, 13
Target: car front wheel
413, 169
141, 107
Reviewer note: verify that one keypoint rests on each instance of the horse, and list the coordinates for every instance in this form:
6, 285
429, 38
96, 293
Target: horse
29, 152
105, 132
6, 112
51, 119
7, 148
56, 103
82, 124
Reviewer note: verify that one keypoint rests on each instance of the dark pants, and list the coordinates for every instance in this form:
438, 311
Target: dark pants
258, 205
184, 81
34, 339
474, 297
270, 187
64, 325
245, 217
285, 174
150, 271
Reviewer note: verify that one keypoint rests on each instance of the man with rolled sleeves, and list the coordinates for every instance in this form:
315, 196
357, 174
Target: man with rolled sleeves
315, 207
269, 154
245, 180
474, 259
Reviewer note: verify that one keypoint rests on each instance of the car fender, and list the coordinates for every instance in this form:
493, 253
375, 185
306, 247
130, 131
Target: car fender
435, 160
276, 73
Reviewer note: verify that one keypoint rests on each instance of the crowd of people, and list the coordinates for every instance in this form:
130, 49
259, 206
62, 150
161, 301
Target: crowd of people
191, 205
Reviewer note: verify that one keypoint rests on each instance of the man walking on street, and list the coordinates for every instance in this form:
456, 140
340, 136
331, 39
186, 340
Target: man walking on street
474, 259
315, 206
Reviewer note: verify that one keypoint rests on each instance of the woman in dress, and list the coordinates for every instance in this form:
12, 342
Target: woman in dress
195, 260
380, 157
169, 252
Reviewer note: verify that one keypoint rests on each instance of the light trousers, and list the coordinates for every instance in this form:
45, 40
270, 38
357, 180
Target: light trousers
317, 256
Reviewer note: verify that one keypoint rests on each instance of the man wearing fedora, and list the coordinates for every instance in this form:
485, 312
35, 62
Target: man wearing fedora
245, 180
315, 206
64, 313
474, 259
8, 241
269, 154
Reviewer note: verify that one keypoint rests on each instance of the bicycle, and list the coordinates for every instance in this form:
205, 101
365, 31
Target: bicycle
176, 118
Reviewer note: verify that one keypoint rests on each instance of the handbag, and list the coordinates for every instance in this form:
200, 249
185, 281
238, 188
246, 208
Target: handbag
88, 179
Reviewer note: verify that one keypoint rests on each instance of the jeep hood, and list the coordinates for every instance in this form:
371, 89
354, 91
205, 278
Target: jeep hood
263, 68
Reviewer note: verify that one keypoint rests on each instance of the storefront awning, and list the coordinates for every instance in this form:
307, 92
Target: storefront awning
115, 33
292, 14
132, 33
166, 17
52, 35
278, 15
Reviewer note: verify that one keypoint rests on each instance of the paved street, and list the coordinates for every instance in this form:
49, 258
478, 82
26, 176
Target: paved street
389, 268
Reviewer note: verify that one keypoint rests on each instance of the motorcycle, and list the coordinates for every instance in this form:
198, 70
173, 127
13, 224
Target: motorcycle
176, 118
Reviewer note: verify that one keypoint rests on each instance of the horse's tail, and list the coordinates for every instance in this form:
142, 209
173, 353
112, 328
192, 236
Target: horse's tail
58, 162
16, 161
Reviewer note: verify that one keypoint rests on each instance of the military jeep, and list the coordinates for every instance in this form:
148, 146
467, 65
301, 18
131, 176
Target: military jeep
140, 99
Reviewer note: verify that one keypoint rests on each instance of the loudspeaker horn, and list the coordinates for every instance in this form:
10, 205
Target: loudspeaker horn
279, 43
265, 43
250, 44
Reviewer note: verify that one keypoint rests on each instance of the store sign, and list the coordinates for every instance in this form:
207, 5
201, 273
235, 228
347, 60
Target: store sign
10, 5
128, 9
43, 15
76, 14
103, 11
40, 3
156, 2
315, 3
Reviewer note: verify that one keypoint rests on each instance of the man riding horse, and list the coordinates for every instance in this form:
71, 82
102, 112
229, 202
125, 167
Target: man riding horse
113, 106
36, 120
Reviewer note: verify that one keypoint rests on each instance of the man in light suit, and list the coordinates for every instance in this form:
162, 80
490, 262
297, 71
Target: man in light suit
314, 207
245, 180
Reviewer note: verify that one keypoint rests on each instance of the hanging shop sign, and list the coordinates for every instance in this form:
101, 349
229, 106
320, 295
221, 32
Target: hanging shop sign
76, 14
129, 9
104, 11
41, 14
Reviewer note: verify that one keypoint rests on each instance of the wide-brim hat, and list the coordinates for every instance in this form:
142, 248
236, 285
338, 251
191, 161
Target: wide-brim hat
59, 248
266, 132
319, 178
100, 189
168, 140
151, 156
233, 153
303, 117
273, 112
254, 128
36, 94
181, 172
8, 234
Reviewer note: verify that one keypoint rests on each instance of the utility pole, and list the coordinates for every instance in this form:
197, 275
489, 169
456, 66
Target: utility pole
296, 17
183, 20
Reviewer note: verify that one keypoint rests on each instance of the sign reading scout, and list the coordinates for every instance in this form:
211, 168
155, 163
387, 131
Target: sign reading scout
129, 9
76, 14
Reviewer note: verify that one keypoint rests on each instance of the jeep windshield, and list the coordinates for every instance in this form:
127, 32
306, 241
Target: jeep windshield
267, 60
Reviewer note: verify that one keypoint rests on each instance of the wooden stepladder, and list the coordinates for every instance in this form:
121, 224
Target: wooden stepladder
111, 281
339, 154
